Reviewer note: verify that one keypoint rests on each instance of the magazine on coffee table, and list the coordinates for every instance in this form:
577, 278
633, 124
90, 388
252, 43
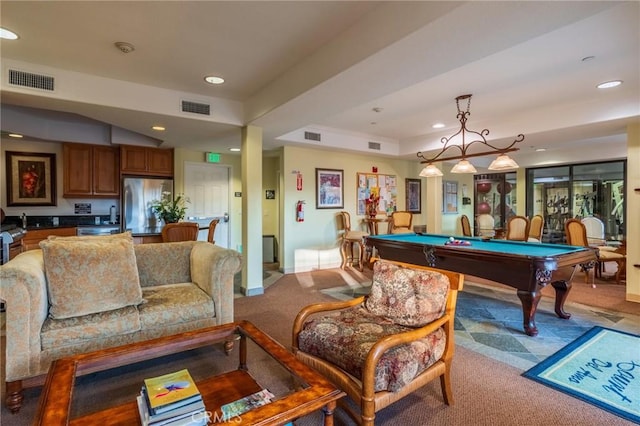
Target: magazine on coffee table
247, 403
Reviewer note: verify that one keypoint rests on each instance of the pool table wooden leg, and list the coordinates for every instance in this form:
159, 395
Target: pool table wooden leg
529, 301
562, 289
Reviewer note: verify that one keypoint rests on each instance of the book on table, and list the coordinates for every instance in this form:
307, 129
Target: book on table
170, 391
193, 414
171, 399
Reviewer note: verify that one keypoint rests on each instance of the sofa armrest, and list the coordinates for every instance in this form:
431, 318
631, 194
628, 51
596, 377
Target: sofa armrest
213, 269
24, 289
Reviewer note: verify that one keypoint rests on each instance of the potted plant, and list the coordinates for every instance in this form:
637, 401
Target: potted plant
170, 210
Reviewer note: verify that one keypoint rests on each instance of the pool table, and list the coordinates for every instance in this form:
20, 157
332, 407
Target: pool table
525, 266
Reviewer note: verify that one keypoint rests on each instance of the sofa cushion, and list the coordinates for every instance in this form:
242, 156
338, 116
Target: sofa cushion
174, 304
166, 263
407, 296
346, 338
76, 330
87, 276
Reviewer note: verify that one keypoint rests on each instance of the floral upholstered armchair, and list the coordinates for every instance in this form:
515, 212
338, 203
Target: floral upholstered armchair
381, 347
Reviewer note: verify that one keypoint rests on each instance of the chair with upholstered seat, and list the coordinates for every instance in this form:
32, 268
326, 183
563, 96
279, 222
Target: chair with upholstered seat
485, 225
401, 222
350, 242
212, 231
377, 351
180, 231
576, 233
518, 228
536, 227
465, 226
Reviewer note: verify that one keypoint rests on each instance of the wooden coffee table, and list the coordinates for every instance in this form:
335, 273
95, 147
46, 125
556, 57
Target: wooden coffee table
299, 391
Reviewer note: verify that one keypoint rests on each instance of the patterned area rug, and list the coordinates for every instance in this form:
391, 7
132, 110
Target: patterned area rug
602, 367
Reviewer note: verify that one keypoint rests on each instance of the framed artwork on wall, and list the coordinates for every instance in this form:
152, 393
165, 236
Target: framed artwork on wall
329, 189
413, 193
31, 179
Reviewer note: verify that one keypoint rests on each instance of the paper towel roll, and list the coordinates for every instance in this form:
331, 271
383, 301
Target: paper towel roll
112, 214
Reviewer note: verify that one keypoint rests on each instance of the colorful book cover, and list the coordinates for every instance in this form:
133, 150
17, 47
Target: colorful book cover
170, 388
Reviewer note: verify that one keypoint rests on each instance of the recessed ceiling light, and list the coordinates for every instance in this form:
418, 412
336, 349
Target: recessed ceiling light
15, 135
541, 149
234, 149
212, 79
438, 126
8, 35
159, 128
609, 84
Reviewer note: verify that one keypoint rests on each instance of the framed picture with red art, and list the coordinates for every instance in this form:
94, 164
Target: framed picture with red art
31, 179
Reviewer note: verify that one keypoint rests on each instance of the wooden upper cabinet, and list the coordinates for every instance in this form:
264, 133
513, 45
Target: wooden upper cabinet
90, 171
146, 161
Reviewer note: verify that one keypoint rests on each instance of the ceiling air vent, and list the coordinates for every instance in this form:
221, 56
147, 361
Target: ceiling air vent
311, 136
374, 145
27, 79
196, 108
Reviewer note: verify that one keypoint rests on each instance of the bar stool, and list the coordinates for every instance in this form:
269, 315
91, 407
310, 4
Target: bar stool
350, 239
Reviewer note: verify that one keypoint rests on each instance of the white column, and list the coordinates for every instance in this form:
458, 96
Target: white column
633, 206
252, 211
433, 207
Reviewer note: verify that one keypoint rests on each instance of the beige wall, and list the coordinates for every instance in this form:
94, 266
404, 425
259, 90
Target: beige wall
318, 234
633, 206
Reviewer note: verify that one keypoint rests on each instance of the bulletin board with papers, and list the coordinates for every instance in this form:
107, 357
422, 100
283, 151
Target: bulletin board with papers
384, 186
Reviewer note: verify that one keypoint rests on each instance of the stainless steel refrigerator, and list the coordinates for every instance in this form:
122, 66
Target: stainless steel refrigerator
137, 197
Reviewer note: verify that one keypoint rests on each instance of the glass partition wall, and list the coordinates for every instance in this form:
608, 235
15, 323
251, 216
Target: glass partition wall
578, 191
495, 196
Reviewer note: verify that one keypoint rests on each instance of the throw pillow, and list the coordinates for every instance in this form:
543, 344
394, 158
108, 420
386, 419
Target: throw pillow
407, 296
90, 275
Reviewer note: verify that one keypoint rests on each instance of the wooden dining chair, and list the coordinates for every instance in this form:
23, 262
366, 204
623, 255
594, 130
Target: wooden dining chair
212, 231
518, 228
401, 222
536, 229
466, 226
485, 225
576, 233
180, 231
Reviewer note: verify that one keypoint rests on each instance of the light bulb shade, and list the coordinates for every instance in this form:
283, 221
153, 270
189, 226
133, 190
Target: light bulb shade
463, 166
503, 162
430, 171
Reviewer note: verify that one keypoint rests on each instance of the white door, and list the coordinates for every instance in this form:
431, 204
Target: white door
207, 187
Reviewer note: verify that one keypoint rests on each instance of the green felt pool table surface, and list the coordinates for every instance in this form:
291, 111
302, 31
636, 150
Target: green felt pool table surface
495, 246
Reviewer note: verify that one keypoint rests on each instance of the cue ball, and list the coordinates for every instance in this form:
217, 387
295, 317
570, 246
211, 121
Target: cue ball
451, 239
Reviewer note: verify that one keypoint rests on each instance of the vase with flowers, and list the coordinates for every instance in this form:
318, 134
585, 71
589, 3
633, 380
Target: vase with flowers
169, 209
372, 204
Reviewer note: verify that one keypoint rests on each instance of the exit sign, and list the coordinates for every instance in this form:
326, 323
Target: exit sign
212, 157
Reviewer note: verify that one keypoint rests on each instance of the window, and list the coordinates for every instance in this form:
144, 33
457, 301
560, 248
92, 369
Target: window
578, 191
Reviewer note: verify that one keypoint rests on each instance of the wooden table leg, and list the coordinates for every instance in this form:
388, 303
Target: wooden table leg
328, 413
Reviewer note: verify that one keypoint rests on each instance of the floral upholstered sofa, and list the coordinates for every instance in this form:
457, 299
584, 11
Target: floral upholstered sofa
79, 294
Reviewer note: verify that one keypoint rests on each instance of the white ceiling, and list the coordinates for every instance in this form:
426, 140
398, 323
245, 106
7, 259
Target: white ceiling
324, 66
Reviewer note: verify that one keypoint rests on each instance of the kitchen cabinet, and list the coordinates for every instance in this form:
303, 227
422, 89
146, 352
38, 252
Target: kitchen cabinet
32, 238
140, 160
150, 239
90, 171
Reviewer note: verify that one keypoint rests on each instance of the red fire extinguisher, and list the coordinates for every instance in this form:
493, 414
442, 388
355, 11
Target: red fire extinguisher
300, 211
